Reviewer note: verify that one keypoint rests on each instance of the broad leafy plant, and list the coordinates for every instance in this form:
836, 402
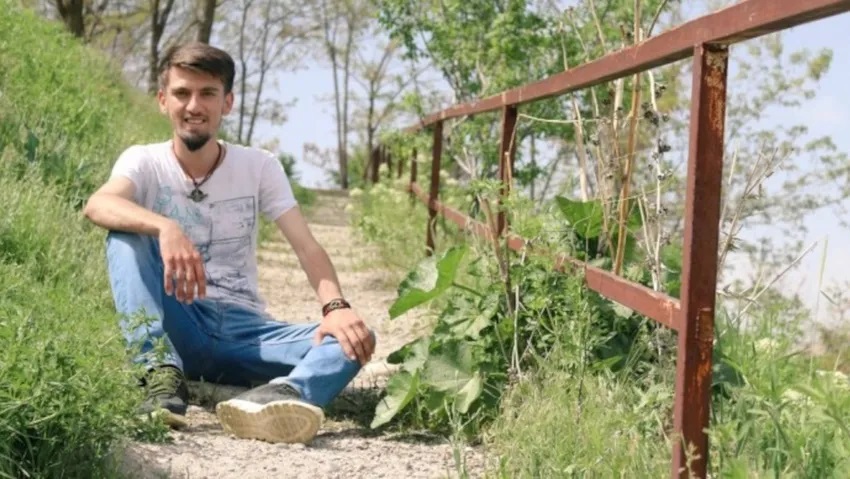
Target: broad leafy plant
486, 336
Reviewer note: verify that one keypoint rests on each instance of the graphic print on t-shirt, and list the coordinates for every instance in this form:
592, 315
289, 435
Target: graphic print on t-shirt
230, 243
222, 234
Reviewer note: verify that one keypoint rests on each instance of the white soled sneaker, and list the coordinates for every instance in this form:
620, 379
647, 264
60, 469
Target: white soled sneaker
272, 413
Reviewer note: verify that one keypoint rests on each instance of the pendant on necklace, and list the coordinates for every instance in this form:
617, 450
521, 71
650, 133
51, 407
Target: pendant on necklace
197, 195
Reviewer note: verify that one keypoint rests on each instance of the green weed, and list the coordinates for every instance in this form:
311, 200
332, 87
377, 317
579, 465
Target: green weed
567, 384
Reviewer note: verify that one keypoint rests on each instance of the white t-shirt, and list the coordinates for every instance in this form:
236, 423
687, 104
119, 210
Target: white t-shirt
224, 225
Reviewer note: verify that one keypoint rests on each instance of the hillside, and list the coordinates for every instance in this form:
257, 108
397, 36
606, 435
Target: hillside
65, 115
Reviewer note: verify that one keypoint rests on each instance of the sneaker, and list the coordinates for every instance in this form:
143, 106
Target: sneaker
167, 395
272, 413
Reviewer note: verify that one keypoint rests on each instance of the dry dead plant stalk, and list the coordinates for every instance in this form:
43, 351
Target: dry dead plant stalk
627, 170
581, 151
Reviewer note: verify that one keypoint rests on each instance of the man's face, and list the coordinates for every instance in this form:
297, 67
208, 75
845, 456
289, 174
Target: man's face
195, 103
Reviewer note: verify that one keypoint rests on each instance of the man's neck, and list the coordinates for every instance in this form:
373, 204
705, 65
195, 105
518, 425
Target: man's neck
197, 163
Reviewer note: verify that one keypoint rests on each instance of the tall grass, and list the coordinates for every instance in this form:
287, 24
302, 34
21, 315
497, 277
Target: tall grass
773, 415
67, 393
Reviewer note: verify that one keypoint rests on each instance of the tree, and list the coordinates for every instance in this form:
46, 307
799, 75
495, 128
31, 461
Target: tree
381, 89
341, 23
159, 13
72, 13
206, 20
265, 36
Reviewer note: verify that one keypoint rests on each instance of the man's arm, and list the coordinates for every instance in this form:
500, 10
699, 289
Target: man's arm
311, 255
112, 207
343, 324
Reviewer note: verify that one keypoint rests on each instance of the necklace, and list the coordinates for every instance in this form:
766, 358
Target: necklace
197, 195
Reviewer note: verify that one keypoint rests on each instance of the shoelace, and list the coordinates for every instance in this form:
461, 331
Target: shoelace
164, 382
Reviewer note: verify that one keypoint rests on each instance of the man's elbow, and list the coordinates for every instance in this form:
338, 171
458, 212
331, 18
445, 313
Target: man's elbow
91, 210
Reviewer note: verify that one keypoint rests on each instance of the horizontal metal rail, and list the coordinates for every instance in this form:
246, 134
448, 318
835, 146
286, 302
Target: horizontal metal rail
734, 24
646, 301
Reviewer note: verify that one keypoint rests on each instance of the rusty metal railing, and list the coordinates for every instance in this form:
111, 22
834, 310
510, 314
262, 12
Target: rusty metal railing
706, 40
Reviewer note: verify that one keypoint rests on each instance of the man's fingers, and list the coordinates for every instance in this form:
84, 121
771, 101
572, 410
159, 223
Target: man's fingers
180, 281
370, 340
190, 284
201, 279
365, 342
347, 340
168, 277
358, 343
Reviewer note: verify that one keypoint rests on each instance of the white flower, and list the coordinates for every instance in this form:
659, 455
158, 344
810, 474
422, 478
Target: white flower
838, 378
795, 397
349, 208
355, 192
766, 346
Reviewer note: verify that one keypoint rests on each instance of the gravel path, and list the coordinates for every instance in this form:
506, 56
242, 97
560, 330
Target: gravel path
345, 446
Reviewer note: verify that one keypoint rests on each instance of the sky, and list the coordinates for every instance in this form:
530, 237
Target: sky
310, 120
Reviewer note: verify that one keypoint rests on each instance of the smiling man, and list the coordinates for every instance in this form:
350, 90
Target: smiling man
182, 222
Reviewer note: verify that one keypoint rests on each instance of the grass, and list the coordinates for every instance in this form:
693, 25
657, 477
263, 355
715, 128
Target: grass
68, 393
778, 410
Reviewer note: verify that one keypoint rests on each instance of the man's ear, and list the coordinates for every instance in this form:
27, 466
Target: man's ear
228, 103
160, 96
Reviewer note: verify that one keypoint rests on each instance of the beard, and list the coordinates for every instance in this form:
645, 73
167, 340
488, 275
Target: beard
195, 141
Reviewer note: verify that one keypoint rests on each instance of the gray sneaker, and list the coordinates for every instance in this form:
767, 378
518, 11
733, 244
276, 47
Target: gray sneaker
166, 395
272, 413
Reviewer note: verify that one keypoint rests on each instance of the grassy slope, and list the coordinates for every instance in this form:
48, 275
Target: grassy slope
67, 395
65, 392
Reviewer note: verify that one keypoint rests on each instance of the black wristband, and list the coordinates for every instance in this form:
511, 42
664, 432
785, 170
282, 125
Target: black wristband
333, 305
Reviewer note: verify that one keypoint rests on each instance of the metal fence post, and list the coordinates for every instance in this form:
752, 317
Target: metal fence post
507, 153
699, 266
436, 152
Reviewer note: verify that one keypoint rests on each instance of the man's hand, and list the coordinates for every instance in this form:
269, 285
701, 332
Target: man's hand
184, 268
350, 331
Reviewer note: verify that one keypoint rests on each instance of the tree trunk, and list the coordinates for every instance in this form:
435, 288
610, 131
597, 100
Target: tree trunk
158, 22
71, 12
206, 21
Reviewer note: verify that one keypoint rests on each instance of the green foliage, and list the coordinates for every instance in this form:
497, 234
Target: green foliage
778, 416
564, 383
63, 107
430, 279
481, 340
568, 383
393, 221
304, 196
67, 393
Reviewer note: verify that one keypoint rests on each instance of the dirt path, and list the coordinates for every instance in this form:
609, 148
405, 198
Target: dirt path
345, 447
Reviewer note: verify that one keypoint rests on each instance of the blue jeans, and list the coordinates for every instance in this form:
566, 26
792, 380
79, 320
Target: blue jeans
215, 341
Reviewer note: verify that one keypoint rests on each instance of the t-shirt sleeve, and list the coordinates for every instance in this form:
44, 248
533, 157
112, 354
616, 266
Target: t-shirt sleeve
132, 164
276, 196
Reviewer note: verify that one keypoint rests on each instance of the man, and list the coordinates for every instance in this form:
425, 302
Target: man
182, 221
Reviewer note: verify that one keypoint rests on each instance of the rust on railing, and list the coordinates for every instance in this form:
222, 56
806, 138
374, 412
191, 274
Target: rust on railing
507, 153
437, 152
699, 265
706, 40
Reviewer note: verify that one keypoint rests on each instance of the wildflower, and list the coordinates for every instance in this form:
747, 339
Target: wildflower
766, 346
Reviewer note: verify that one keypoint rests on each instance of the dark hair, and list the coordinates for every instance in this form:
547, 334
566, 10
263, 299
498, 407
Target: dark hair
198, 57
